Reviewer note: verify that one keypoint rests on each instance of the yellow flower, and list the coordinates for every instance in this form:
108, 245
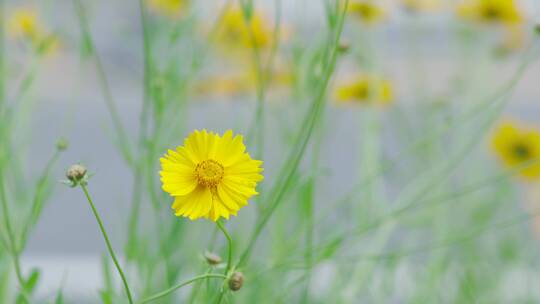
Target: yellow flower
422, 5
366, 11
24, 24
491, 11
516, 146
169, 8
210, 176
223, 85
366, 90
235, 30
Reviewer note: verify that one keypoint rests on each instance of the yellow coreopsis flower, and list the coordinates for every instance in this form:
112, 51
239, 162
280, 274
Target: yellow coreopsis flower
168, 8
235, 30
366, 90
516, 145
422, 5
210, 176
24, 24
366, 11
491, 11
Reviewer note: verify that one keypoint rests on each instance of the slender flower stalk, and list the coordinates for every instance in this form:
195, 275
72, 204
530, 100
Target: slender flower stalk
2, 53
11, 237
308, 124
109, 246
229, 241
174, 288
103, 82
37, 203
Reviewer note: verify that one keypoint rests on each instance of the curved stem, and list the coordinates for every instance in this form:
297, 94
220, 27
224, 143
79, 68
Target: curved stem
174, 288
229, 257
103, 82
303, 137
2, 55
11, 238
37, 203
229, 240
109, 247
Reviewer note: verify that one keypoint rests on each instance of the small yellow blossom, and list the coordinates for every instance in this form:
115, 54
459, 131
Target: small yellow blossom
237, 32
422, 5
210, 176
225, 85
24, 24
234, 84
366, 89
491, 11
169, 8
516, 145
366, 11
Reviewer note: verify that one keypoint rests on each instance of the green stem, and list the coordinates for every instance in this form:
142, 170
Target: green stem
2, 54
229, 258
229, 241
174, 288
11, 237
37, 204
293, 161
103, 82
109, 246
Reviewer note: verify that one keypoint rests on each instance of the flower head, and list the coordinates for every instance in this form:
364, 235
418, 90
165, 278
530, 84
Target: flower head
238, 32
421, 5
77, 175
210, 176
236, 281
169, 8
24, 23
366, 89
516, 146
366, 11
491, 11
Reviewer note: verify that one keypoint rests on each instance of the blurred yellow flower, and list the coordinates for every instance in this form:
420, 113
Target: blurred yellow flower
422, 5
169, 8
516, 145
366, 11
233, 84
491, 11
237, 32
224, 85
24, 24
366, 89
210, 176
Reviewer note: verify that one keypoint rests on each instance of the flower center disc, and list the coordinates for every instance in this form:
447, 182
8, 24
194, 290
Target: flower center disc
522, 151
209, 173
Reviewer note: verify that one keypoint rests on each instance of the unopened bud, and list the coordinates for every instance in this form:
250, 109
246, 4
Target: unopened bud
537, 28
344, 47
76, 174
62, 144
236, 281
212, 258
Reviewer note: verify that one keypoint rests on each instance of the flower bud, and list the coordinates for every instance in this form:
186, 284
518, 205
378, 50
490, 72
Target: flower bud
76, 173
62, 144
212, 258
236, 281
344, 47
537, 28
